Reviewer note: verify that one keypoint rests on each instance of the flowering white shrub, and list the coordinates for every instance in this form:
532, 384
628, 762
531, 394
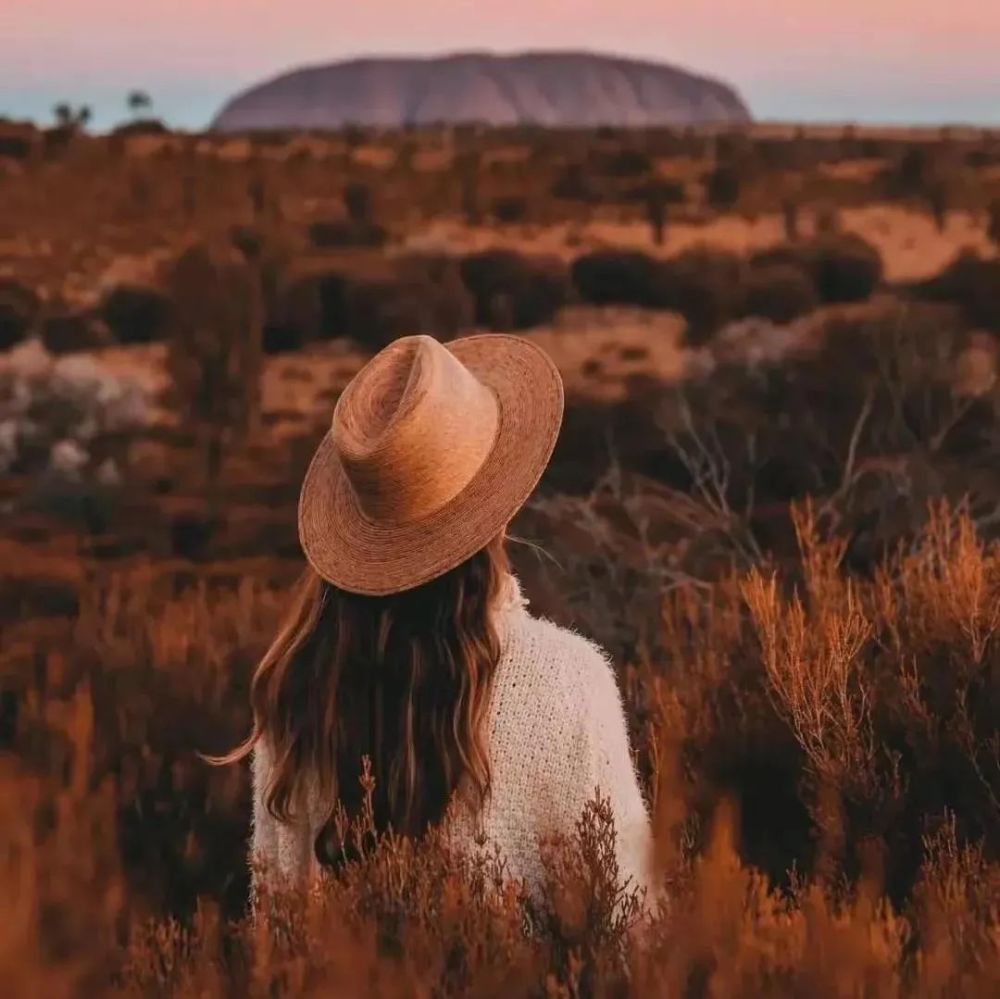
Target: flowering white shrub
55, 410
755, 341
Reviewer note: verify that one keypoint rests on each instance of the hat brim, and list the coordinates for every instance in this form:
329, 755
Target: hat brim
362, 556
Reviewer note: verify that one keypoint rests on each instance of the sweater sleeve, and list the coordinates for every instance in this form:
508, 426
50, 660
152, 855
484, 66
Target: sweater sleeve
611, 772
263, 829
279, 851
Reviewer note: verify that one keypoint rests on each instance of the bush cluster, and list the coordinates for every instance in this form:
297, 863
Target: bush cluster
58, 415
374, 299
135, 313
513, 291
19, 308
843, 267
818, 762
709, 287
972, 283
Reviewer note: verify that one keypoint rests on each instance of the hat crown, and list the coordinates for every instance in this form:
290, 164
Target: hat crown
412, 429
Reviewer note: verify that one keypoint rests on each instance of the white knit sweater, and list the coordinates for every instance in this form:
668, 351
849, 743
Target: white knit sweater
557, 736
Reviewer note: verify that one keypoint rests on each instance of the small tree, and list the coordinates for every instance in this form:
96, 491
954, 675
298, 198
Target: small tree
468, 173
358, 202
827, 220
937, 200
257, 191
993, 223
138, 102
658, 196
189, 194
722, 186
215, 348
790, 216
72, 118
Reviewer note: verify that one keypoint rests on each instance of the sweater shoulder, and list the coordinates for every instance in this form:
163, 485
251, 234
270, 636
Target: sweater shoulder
558, 655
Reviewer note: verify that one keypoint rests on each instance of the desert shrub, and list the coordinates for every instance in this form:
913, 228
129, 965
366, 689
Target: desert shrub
372, 299
57, 415
346, 233
19, 307
973, 284
779, 292
135, 313
619, 277
844, 267
656, 196
66, 329
514, 291
306, 302
914, 168
993, 222
509, 209
817, 725
573, 183
791, 212
214, 346
923, 171
467, 167
623, 163
249, 240
141, 126
705, 286
864, 410
722, 186
415, 295
58, 139
271, 253
17, 141
358, 202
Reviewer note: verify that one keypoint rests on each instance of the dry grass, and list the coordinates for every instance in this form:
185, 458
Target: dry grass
822, 761
815, 721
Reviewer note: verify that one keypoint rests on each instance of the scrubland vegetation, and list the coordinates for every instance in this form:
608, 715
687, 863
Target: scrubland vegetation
776, 500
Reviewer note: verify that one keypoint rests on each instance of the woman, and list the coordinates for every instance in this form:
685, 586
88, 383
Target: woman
410, 643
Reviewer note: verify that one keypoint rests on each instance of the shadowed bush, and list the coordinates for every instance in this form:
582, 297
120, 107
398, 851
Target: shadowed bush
373, 299
722, 186
341, 234
416, 294
619, 277
19, 307
779, 292
844, 267
135, 313
845, 726
67, 330
18, 140
509, 209
215, 346
512, 291
705, 286
972, 283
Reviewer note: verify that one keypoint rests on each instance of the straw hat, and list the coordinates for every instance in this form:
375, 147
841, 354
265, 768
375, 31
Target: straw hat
432, 450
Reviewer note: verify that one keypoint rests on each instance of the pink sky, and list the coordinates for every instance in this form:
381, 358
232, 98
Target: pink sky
846, 59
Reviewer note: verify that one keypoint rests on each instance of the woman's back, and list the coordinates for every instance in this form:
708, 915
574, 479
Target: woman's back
556, 738
409, 644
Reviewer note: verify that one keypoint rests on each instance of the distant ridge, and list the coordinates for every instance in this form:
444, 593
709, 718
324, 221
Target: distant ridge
556, 89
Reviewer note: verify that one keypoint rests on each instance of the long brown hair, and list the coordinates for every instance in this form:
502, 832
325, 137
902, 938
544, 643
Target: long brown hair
403, 680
